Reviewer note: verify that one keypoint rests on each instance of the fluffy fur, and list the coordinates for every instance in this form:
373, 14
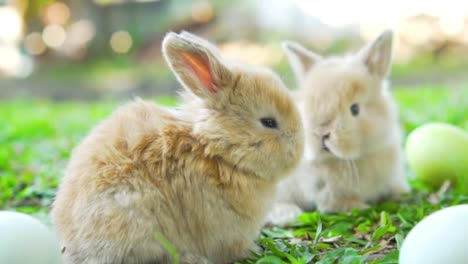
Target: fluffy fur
202, 177
350, 160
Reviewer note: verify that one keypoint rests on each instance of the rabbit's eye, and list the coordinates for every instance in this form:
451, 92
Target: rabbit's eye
354, 109
269, 122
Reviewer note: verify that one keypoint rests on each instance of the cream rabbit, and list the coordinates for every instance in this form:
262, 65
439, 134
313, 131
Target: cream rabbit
353, 139
202, 176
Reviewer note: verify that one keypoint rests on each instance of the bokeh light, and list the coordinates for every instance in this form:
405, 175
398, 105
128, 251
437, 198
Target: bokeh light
13, 63
34, 44
11, 25
79, 36
202, 12
54, 36
57, 13
81, 32
109, 2
121, 42
252, 53
452, 25
103, 2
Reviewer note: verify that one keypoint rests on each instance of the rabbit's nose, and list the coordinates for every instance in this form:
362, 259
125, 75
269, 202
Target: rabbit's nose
324, 138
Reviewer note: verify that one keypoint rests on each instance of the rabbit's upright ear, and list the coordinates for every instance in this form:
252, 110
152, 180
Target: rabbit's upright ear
196, 64
300, 58
377, 56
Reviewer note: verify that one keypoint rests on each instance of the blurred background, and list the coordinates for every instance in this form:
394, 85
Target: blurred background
94, 49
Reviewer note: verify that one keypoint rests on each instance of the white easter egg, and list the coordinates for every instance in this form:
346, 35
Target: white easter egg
441, 237
25, 240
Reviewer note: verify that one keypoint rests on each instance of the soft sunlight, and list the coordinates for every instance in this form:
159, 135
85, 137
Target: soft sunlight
338, 13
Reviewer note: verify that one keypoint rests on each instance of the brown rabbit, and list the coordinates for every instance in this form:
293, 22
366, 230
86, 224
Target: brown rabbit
202, 177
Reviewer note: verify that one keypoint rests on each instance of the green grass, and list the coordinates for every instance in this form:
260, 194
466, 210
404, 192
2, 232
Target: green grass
36, 138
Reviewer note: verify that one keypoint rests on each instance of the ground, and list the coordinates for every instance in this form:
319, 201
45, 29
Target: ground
36, 138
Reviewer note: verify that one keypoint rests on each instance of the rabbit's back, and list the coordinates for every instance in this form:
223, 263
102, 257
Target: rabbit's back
103, 193
141, 173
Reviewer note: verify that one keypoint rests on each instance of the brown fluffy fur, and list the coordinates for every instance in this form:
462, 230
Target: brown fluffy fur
364, 160
202, 177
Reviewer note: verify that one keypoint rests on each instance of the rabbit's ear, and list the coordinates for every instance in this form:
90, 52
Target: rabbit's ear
196, 64
300, 58
377, 56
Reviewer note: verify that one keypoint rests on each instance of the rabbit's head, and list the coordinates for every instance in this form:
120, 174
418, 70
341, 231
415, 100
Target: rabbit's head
243, 114
347, 110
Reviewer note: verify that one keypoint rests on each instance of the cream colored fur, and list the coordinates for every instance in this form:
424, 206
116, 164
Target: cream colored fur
202, 176
361, 160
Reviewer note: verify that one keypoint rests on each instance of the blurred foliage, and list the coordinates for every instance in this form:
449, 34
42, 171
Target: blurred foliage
33, 8
433, 104
146, 22
105, 68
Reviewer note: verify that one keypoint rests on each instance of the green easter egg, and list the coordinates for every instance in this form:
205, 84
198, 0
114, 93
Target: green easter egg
437, 152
